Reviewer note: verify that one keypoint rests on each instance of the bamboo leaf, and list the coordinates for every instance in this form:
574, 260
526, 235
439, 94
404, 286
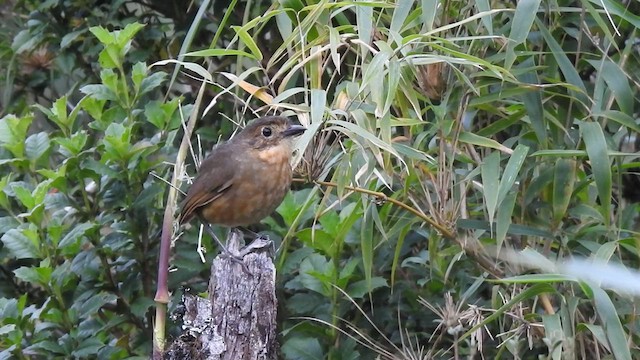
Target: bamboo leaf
596, 147
611, 323
511, 171
490, 171
563, 180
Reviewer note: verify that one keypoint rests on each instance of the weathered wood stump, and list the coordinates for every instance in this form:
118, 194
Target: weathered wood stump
238, 320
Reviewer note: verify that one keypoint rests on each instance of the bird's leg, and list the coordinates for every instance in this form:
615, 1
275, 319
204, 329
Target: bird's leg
260, 241
209, 229
255, 234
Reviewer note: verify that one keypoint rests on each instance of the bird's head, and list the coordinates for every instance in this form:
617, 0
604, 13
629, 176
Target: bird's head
269, 132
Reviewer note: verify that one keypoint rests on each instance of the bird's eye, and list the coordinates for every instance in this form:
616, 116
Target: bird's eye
266, 131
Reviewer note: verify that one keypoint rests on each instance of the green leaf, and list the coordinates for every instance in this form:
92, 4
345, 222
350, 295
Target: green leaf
403, 7
566, 66
473, 139
138, 73
76, 234
20, 244
490, 170
563, 180
536, 278
219, 52
533, 104
248, 41
317, 239
116, 141
619, 117
303, 348
99, 92
364, 21
90, 306
103, 35
196, 68
482, 6
316, 274
58, 113
7, 223
73, 145
37, 145
359, 289
23, 195
367, 241
503, 218
553, 335
510, 173
69, 38
596, 146
88, 348
36, 275
608, 315
13, 132
526, 11
124, 36
616, 81
151, 82
109, 58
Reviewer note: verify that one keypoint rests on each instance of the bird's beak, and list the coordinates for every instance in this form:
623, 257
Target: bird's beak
294, 130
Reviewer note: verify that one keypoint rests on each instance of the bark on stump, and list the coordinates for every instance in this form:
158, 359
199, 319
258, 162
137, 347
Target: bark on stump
238, 320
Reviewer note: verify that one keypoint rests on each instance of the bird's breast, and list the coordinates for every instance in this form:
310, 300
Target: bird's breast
261, 182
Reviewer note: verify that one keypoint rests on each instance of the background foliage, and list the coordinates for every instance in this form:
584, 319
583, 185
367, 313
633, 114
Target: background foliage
462, 174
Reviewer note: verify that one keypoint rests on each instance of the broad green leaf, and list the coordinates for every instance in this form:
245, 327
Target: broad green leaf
13, 132
99, 92
36, 146
138, 73
125, 35
20, 244
303, 348
76, 234
151, 82
72, 146
39, 276
360, 288
596, 147
103, 35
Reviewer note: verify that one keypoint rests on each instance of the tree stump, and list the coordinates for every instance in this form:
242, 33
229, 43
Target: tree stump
238, 320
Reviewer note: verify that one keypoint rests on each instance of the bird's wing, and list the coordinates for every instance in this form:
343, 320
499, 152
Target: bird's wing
214, 178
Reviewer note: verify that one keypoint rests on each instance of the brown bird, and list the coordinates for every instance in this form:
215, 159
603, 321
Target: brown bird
244, 180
